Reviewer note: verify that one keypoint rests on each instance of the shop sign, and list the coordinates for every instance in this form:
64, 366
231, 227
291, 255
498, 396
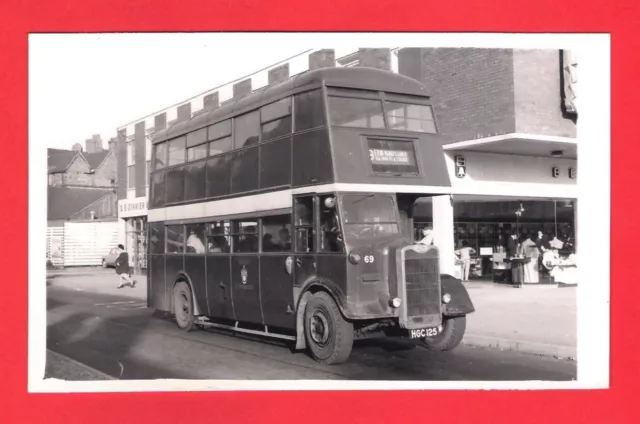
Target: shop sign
461, 166
134, 207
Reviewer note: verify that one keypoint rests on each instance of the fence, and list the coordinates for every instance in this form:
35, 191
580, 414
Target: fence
81, 243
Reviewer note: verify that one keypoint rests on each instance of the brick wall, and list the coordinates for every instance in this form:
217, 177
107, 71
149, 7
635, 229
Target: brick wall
472, 89
538, 94
106, 172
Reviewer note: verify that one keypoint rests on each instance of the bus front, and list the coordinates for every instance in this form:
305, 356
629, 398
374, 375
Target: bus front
388, 154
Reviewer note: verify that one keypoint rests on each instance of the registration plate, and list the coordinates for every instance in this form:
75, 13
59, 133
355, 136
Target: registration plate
421, 333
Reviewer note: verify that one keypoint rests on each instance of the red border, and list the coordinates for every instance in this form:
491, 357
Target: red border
619, 18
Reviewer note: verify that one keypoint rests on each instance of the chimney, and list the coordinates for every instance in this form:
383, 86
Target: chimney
94, 144
77, 147
375, 58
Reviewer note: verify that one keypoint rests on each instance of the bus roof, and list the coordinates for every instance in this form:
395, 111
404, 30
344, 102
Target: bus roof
351, 77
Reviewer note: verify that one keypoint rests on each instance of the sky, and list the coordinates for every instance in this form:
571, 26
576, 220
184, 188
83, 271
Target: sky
85, 84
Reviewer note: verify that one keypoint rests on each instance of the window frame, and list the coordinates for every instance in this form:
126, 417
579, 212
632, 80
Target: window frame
233, 233
289, 217
131, 182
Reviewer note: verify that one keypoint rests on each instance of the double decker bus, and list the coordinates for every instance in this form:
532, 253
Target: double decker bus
288, 214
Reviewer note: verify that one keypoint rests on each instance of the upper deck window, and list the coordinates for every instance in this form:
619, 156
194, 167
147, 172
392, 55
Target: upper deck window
351, 112
177, 151
309, 110
276, 119
410, 117
246, 129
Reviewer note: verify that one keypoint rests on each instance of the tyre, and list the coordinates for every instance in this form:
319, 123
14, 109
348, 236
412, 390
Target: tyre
329, 336
450, 336
183, 306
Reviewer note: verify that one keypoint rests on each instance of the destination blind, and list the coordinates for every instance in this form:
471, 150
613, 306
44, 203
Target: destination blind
392, 156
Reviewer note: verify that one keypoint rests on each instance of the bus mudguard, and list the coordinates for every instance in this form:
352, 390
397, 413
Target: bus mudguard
460, 303
308, 288
183, 275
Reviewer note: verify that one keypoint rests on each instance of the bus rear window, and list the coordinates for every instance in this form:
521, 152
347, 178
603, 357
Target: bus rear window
350, 112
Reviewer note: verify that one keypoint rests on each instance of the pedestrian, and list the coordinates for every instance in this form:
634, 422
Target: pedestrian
465, 256
122, 268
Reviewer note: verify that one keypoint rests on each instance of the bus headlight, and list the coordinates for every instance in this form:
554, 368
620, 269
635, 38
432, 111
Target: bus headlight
395, 302
354, 258
446, 298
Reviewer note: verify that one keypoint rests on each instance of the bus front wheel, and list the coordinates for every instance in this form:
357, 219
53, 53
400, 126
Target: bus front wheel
329, 336
450, 336
183, 306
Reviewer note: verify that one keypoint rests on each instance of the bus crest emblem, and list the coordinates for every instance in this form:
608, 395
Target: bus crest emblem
243, 274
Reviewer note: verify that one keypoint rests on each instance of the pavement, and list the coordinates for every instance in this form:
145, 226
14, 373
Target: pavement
537, 320
118, 337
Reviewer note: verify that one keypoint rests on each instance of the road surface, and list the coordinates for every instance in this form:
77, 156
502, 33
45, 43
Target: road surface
120, 337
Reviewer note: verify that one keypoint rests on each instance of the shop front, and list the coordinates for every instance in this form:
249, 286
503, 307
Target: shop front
133, 216
486, 223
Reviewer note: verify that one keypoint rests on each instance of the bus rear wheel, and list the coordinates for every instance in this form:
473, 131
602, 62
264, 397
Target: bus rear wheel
329, 336
183, 306
450, 336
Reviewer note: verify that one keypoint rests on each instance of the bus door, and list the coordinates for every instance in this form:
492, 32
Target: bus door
304, 217
245, 271
276, 272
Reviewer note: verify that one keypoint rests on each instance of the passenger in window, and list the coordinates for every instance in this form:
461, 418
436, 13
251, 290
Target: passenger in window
285, 239
268, 245
194, 243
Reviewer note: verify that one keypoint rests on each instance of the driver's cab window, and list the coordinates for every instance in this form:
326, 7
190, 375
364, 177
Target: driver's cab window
331, 238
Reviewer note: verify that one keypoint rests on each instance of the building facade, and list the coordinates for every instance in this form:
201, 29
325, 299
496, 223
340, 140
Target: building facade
95, 167
508, 120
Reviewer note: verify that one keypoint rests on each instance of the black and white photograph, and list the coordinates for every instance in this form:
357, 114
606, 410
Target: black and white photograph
250, 211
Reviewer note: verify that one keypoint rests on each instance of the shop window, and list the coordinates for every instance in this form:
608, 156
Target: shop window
245, 236
175, 239
309, 110
176, 151
195, 238
219, 237
131, 152
246, 129
276, 233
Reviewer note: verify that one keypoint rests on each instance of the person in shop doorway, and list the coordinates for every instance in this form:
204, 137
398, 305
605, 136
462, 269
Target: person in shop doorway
122, 268
427, 236
465, 256
512, 252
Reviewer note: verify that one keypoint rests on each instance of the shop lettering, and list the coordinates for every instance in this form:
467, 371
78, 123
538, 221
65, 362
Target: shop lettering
128, 207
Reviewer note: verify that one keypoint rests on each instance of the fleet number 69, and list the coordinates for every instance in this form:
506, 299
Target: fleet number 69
369, 259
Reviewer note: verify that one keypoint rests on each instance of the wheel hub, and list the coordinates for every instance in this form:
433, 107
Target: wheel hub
319, 327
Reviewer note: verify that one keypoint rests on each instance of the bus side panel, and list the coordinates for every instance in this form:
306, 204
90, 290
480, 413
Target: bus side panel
332, 267
157, 292
219, 287
245, 280
174, 263
194, 266
276, 291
